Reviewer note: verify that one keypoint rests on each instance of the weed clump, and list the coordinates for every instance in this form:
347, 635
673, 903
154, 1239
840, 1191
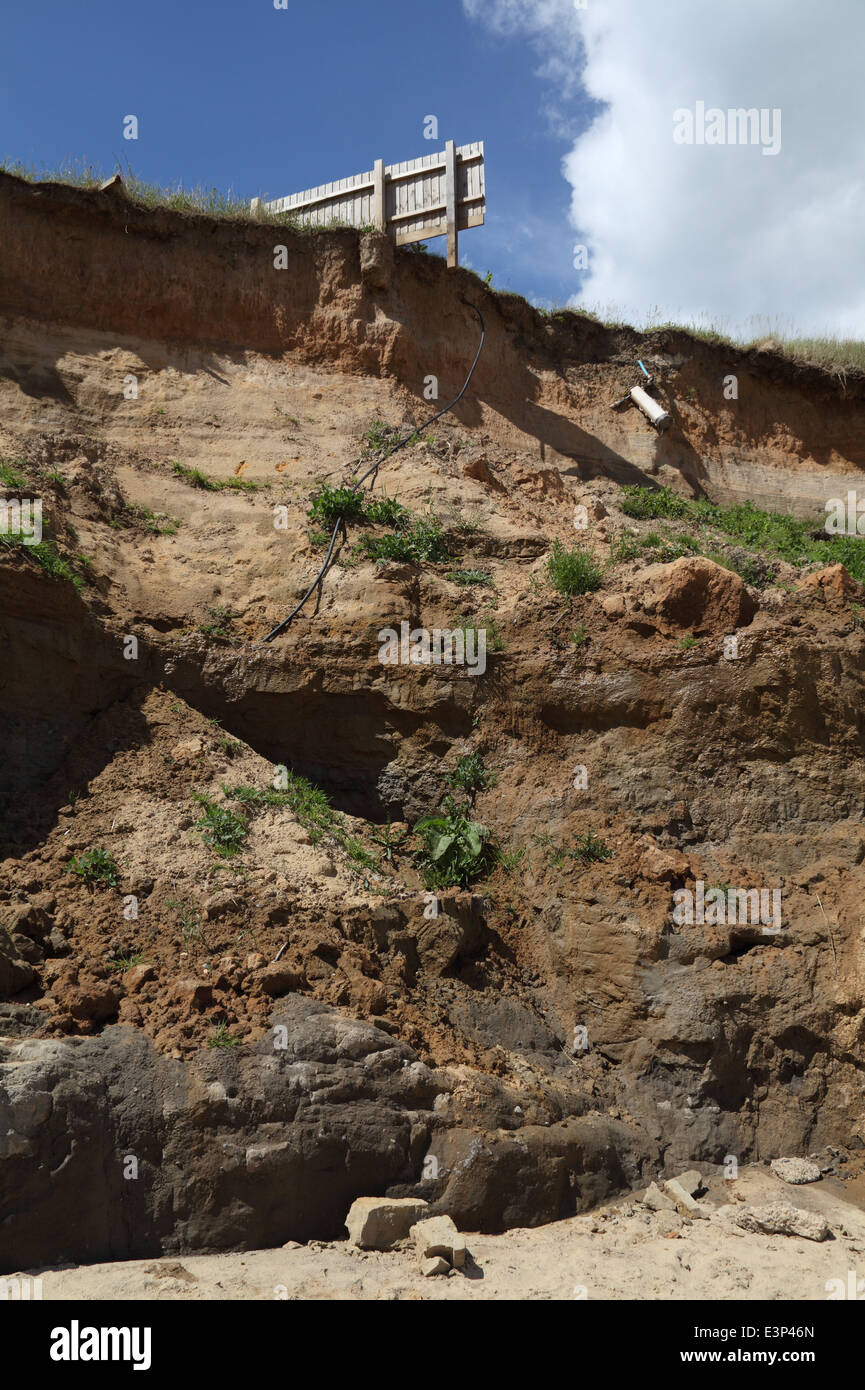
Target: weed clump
95, 866
456, 851
221, 828
573, 571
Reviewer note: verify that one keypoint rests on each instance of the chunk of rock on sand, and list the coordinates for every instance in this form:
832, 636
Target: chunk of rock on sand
683, 1201
777, 1219
438, 1236
377, 1223
796, 1170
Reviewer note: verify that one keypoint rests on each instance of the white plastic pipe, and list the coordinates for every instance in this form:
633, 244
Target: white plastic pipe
659, 417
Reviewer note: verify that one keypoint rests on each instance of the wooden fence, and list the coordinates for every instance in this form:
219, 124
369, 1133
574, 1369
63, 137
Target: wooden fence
437, 195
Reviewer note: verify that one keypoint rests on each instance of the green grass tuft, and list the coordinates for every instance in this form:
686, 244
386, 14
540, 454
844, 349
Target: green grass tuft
573, 571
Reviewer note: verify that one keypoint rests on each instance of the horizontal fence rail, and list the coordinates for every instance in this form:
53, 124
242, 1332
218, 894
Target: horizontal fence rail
437, 195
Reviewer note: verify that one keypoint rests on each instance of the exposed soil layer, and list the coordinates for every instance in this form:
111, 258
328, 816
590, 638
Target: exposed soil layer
142, 1012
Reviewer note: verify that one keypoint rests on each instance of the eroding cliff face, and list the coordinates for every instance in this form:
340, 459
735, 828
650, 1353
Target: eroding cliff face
295, 1017
176, 289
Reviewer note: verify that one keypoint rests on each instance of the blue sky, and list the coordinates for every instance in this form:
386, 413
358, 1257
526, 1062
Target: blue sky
235, 93
577, 107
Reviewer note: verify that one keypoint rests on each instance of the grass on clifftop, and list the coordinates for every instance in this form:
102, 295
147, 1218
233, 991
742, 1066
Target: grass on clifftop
835, 355
208, 202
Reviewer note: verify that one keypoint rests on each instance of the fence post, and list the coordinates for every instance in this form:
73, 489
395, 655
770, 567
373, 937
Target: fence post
379, 208
451, 198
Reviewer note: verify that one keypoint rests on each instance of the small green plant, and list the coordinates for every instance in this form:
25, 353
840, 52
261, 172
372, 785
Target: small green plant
456, 850
223, 616
465, 525
123, 961
510, 859
359, 854
95, 866
229, 746
686, 643
380, 436
331, 503
471, 775
157, 523
390, 840
189, 921
663, 549
494, 639
220, 1037
573, 571
579, 636
645, 503
590, 849
10, 477
308, 803
196, 478
469, 578
46, 556
386, 511
420, 541
221, 828
257, 797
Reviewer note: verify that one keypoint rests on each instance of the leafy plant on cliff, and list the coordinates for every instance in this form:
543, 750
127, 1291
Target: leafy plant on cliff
225, 830
331, 503
95, 866
471, 774
47, 557
414, 543
456, 851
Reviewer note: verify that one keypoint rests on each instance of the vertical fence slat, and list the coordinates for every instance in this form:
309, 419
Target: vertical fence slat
451, 200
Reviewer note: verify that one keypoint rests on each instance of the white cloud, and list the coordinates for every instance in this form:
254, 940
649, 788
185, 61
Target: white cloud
717, 231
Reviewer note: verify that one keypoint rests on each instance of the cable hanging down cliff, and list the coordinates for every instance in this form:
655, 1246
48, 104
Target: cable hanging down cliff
356, 486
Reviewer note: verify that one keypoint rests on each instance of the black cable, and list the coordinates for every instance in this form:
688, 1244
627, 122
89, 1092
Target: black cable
340, 525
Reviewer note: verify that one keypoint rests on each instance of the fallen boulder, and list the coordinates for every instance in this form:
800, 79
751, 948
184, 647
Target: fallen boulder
377, 1223
796, 1170
15, 973
683, 1201
832, 582
696, 594
782, 1219
438, 1236
656, 1200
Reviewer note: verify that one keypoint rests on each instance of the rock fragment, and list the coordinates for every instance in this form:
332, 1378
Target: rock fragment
683, 1201
692, 1181
377, 1223
782, 1219
795, 1170
439, 1236
656, 1200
